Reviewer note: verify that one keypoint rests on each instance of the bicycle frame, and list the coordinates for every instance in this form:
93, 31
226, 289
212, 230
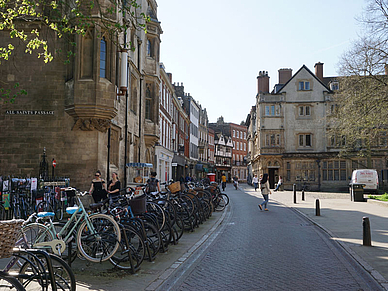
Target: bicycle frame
77, 219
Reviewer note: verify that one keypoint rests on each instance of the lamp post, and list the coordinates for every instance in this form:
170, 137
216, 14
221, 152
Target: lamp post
319, 174
124, 91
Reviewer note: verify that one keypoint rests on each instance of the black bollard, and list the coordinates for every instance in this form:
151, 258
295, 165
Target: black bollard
317, 208
366, 235
303, 195
294, 188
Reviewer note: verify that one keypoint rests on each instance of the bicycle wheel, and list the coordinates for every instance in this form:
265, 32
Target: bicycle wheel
221, 202
102, 243
131, 250
226, 198
154, 238
34, 233
64, 276
7, 282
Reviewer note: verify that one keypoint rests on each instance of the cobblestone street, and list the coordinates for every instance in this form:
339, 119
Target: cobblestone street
269, 250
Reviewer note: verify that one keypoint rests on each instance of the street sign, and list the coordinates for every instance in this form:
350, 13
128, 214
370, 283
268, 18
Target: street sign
54, 163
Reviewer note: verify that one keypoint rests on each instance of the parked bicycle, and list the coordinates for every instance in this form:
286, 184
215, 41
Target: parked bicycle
97, 236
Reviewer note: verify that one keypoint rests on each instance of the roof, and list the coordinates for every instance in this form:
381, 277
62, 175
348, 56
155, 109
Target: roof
311, 73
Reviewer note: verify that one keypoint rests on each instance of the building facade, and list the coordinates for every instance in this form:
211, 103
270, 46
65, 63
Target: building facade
240, 151
164, 150
223, 156
290, 137
81, 113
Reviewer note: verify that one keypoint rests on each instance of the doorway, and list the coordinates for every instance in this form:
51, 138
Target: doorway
273, 173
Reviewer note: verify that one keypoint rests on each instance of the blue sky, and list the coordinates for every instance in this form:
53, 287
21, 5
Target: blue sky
217, 47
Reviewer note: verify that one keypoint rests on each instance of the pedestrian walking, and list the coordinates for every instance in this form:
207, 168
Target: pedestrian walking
265, 191
280, 182
98, 188
223, 181
255, 182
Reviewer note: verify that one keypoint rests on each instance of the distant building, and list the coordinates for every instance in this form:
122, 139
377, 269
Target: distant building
237, 134
288, 133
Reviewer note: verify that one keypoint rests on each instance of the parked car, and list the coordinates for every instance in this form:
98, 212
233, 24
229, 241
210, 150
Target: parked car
367, 177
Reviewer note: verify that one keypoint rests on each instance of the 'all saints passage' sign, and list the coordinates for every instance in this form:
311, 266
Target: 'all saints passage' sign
29, 112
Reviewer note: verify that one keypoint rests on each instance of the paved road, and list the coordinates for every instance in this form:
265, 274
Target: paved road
274, 250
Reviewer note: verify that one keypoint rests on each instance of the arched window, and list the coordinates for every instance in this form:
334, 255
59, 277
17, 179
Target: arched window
149, 48
103, 58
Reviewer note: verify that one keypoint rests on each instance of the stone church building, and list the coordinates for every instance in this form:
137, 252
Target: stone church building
80, 112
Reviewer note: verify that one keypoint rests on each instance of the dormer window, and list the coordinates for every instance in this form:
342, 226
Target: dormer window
304, 85
334, 86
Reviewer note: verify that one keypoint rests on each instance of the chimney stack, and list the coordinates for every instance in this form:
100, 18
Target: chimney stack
169, 77
319, 70
263, 82
284, 75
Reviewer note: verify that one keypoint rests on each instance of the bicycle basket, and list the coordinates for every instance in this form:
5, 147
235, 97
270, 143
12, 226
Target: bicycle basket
138, 204
9, 233
174, 187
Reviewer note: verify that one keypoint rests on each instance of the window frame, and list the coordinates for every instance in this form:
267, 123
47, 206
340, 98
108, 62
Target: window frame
305, 140
103, 57
304, 86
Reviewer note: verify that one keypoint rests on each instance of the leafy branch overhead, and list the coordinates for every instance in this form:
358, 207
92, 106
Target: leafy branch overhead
25, 19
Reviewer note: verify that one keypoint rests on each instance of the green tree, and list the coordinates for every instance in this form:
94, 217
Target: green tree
361, 113
25, 20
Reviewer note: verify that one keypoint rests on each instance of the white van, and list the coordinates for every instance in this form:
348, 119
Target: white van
368, 177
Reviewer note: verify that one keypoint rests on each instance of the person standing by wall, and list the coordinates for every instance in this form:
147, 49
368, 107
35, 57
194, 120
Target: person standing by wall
265, 191
114, 186
98, 188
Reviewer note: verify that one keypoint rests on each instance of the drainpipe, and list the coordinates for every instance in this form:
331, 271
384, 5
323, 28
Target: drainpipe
141, 91
107, 166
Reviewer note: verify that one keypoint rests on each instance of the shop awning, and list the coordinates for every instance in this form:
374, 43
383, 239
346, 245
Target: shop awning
139, 165
180, 160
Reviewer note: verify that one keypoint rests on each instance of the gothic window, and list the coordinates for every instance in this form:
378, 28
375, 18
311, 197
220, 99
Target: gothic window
148, 109
103, 54
134, 95
149, 48
87, 56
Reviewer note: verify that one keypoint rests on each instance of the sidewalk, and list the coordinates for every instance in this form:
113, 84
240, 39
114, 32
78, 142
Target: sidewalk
342, 218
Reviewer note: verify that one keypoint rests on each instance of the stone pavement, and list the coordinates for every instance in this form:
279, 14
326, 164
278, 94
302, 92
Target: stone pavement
342, 219
102, 276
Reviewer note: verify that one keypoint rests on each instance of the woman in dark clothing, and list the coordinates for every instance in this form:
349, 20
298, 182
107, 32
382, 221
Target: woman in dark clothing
114, 186
98, 188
